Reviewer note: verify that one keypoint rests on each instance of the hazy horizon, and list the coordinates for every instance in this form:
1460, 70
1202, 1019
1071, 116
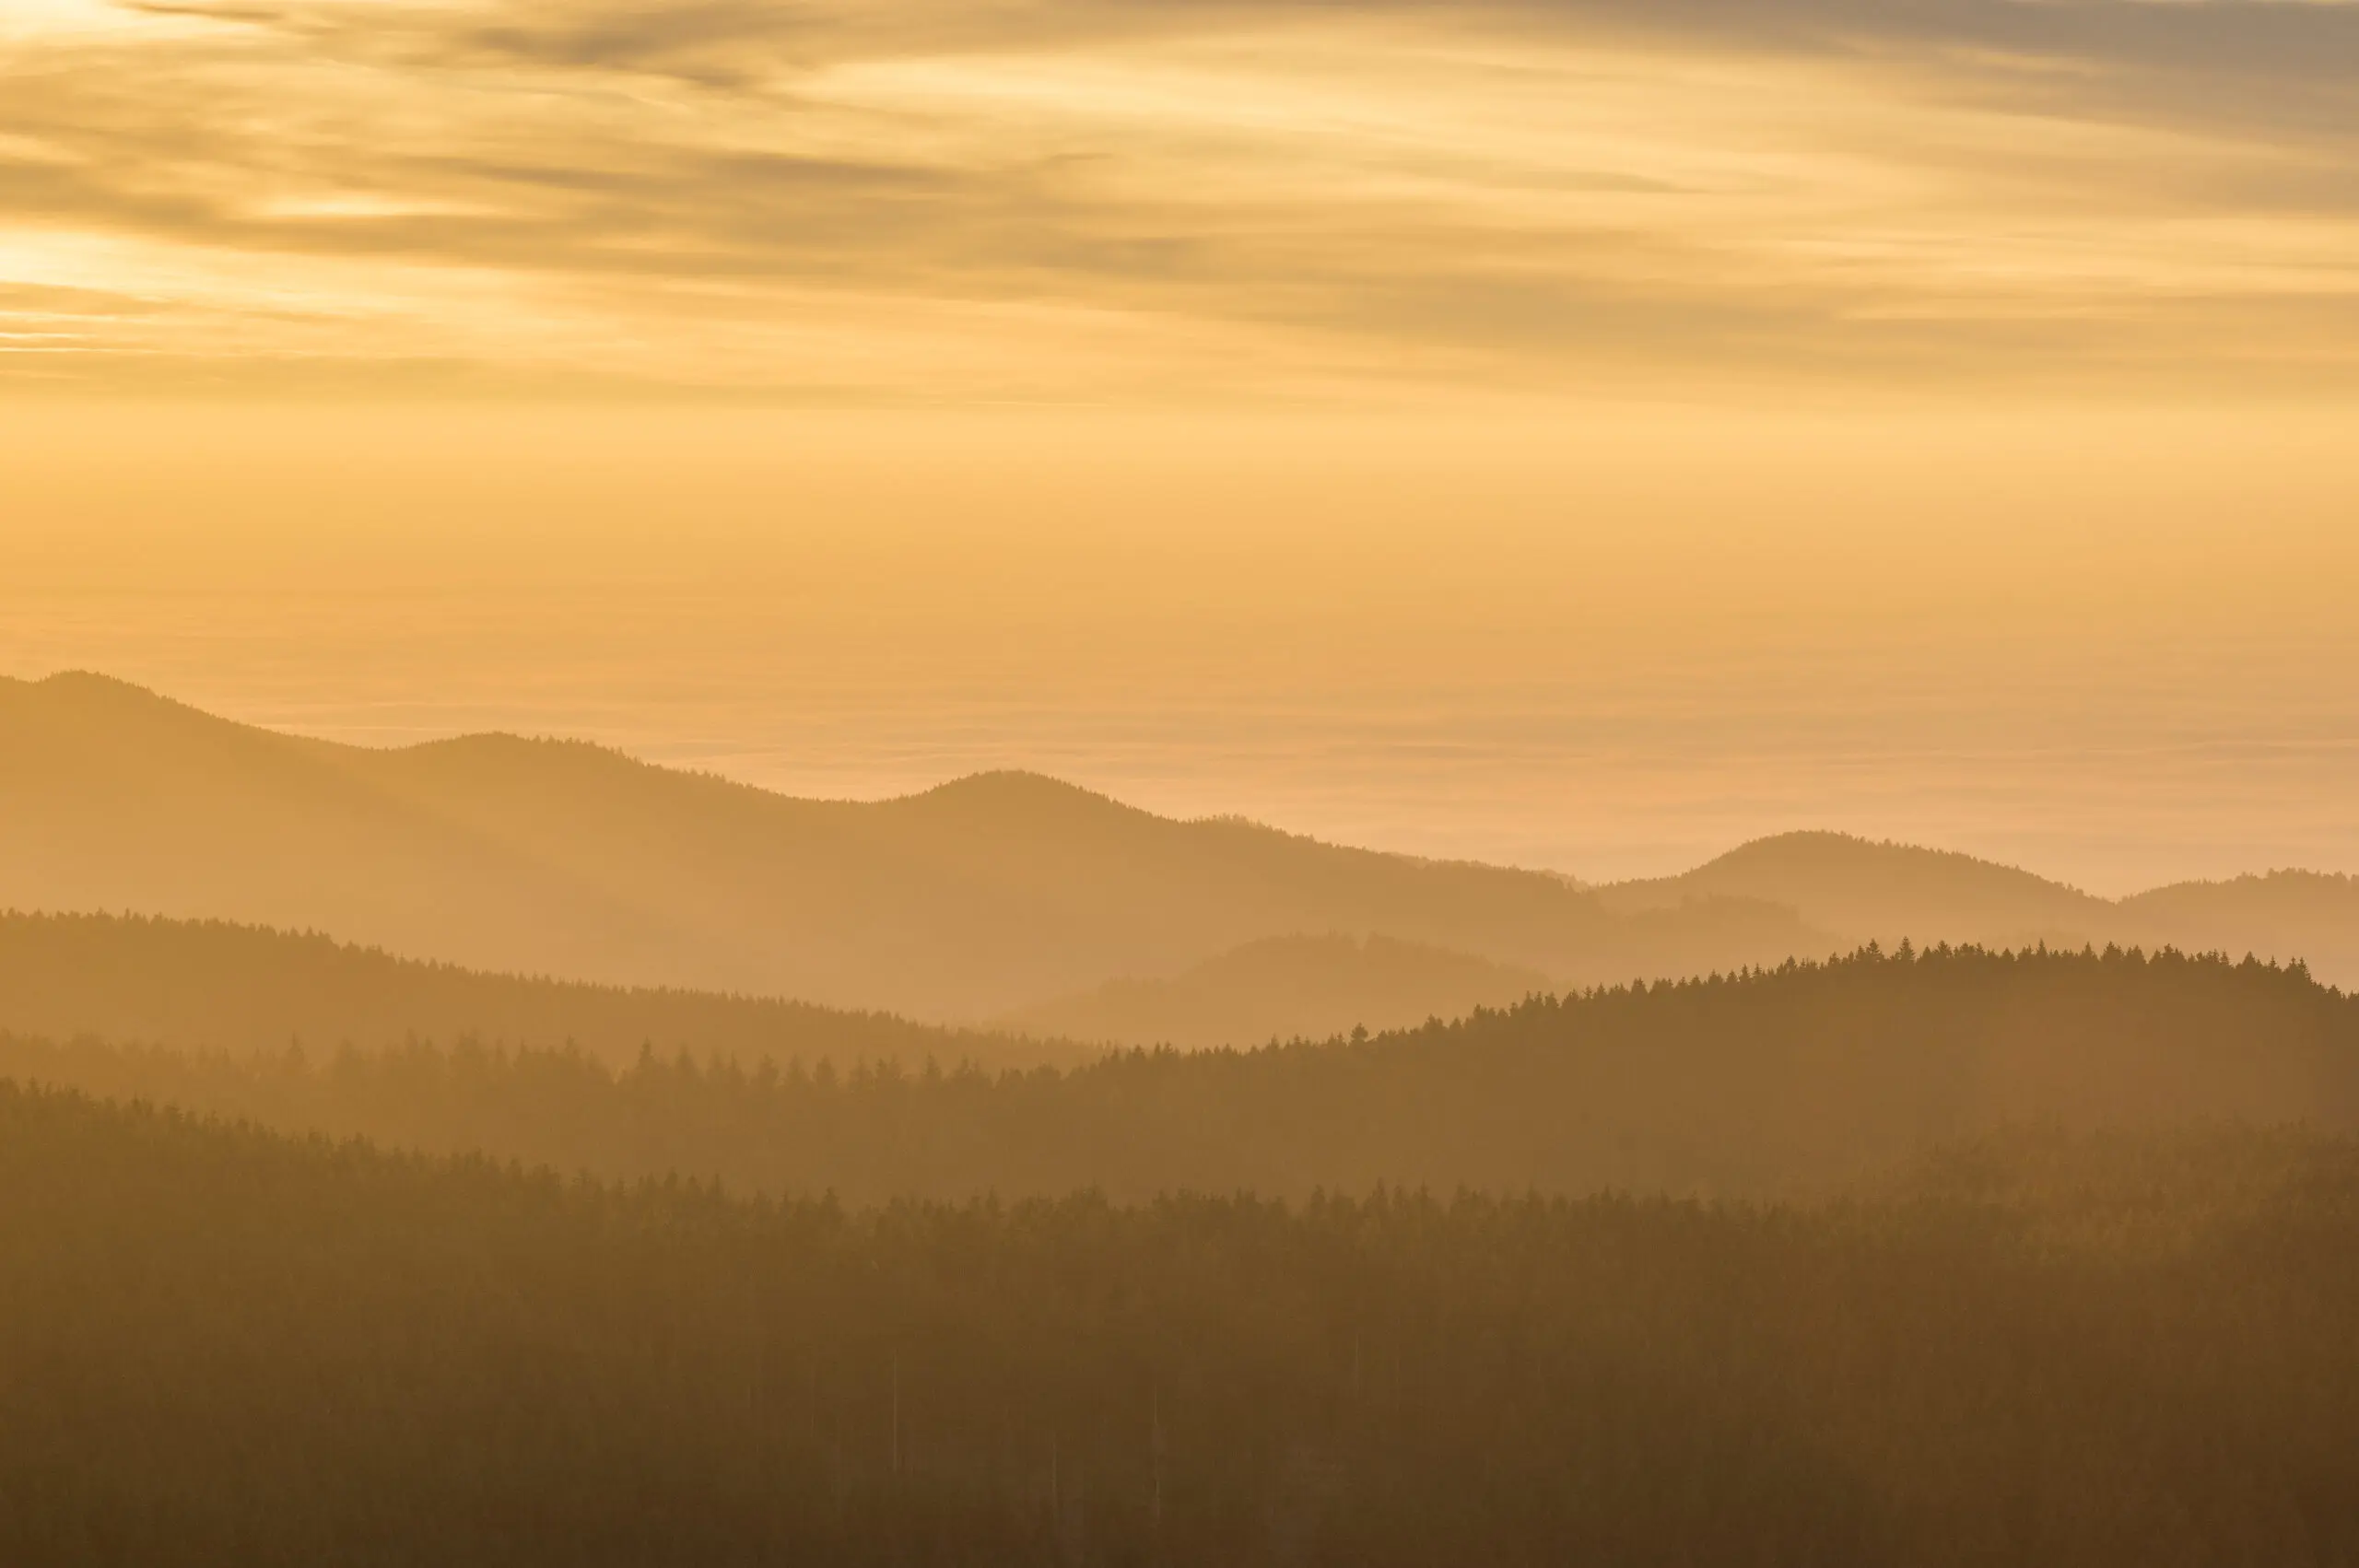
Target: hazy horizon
1260, 762
1577, 435
2114, 649
2166, 702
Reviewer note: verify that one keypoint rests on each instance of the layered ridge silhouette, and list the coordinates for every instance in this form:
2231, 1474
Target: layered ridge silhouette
1860, 891
1795, 1080
242, 991
1002, 898
974, 899
1283, 989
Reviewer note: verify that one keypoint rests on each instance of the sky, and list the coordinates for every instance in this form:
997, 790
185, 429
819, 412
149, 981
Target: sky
1578, 432
903, 201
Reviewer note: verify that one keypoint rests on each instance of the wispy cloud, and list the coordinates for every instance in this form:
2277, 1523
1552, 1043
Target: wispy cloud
1124, 198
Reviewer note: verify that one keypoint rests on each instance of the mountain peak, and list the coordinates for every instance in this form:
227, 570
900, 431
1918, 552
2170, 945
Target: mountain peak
82, 702
1859, 888
91, 687
1850, 855
1013, 790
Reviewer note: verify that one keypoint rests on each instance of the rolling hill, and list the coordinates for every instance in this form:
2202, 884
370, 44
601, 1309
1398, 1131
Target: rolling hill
212, 987
2285, 914
1001, 895
1861, 891
1285, 987
977, 898
1797, 1080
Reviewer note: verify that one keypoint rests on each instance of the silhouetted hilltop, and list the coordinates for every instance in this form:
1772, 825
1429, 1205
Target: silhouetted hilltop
2283, 915
226, 1348
1863, 891
1798, 1079
1285, 987
1014, 800
211, 986
984, 897
559, 857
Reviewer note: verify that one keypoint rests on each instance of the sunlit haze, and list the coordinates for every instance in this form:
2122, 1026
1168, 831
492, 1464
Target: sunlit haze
2112, 646
1585, 436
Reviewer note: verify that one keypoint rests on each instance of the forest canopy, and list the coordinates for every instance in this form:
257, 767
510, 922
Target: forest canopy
223, 1346
1796, 1081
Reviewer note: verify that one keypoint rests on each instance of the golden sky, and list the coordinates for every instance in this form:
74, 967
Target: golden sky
951, 200
1581, 432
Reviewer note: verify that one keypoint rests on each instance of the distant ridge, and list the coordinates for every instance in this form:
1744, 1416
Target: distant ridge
973, 899
2312, 915
984, 897
1286, 987
1863, 891
210, 986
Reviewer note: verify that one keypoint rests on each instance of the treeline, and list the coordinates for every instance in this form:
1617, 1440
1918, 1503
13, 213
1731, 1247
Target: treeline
213, 984
219, 1347
1788, 1081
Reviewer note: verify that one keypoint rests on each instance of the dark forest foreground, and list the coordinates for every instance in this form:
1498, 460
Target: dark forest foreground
221, 1346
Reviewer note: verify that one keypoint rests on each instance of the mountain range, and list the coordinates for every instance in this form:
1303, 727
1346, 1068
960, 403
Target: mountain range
1006, 897
972, 900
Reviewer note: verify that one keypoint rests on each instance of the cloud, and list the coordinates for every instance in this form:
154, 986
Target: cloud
1131, 197
2302, 42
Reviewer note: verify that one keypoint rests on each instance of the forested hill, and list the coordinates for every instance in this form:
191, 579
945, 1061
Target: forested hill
225, 1349
1860, 891
2312, 915
1795, 1080
210, 986
1285, 987
977, 899
1866, 891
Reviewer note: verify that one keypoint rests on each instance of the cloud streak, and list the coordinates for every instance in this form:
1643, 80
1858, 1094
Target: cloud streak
1141, 198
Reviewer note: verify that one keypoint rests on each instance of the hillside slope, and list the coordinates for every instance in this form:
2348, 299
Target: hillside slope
1799, 1080
1285, 987
2285, 915
209, 986
1861, 891
972, 899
